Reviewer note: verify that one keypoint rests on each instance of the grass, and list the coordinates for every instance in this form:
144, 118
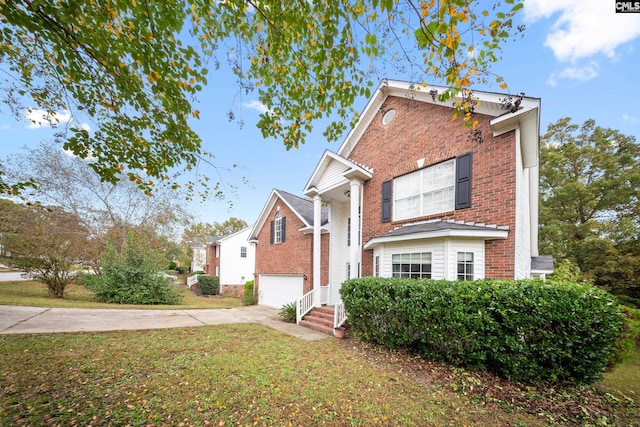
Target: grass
247, 374
33, 293
237, 375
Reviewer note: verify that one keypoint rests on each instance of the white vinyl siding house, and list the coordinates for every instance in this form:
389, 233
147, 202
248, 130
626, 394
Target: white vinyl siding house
236, 269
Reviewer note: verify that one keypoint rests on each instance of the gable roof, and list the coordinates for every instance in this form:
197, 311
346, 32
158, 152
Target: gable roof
527, 117
302, 208
348, 169
440, 228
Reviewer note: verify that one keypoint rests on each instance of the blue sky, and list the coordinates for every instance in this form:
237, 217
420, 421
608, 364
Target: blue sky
579, 56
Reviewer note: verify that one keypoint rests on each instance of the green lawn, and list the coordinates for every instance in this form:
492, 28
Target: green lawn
251, 375
35, 294
239, 375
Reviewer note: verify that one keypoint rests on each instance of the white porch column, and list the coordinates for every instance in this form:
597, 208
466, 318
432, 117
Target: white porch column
354, 211
317, 248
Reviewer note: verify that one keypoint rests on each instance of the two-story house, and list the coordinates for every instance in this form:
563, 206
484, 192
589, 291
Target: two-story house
232, 259
413, 193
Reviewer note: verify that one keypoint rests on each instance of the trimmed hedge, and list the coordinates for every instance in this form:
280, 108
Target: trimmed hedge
209, 285
522, 330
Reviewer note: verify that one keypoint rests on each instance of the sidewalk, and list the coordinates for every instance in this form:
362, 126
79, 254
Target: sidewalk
27, 320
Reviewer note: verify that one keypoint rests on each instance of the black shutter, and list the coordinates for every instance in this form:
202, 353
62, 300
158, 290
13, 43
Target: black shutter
386, 201
272, 225
284, 229
463, 181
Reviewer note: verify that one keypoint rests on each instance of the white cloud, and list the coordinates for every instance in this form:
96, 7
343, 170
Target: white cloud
5, 127
626, 117
255, 105
583, 28
582, 74
40, 118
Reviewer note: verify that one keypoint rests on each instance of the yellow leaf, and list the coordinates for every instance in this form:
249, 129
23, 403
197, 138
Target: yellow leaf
503, 86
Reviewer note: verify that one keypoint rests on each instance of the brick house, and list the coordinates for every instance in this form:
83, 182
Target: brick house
283, 235
413, 193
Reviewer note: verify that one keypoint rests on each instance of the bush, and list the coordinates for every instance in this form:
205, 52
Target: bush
522, 330
289, 312
628, 338
171, 266
209, 285
249, 298
131, 277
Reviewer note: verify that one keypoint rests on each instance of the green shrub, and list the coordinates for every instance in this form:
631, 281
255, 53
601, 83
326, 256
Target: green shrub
523, 330
171, 266
288, 312
209, 285
131, 276
249, 297
628, 338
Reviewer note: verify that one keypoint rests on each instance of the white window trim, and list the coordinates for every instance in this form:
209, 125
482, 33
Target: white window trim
411, 257
420, 192
277, 229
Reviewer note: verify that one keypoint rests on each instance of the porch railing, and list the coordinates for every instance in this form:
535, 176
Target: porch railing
339, 315
304, 305
192, 280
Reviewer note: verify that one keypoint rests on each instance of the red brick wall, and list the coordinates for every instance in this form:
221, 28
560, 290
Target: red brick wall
295, 255
212, 261
422, 130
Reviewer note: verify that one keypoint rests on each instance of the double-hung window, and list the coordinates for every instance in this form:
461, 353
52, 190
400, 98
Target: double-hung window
425, 192
243, 251
465, 265
278, 228
413, 265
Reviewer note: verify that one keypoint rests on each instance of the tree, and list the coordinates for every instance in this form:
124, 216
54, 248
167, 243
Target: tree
45, 241
133, 69
130, 275
590, 207
229, 226
107, 210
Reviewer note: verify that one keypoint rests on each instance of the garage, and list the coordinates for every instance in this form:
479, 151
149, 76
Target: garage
276, 290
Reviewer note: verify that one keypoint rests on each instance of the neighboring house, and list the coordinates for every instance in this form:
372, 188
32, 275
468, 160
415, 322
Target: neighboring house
198, 255
283, 236
413, 193
232, 259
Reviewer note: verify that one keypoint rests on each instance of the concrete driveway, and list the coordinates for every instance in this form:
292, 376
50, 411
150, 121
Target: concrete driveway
27, 320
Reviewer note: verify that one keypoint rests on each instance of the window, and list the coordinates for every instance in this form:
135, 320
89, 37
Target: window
217, 251
243, 251
278, 227
277, 232
376, 267
425, 192
348, 231
465, 265
414, 266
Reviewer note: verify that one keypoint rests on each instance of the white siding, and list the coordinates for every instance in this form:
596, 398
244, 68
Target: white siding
199, 259
435, 247
522, 256
338, 249
332, 176
465, 245
235, 270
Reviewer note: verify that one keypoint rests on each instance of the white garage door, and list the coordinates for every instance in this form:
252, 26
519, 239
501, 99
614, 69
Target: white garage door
276, 290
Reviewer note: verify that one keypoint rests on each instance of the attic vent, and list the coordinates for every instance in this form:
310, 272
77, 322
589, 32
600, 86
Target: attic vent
388, 117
